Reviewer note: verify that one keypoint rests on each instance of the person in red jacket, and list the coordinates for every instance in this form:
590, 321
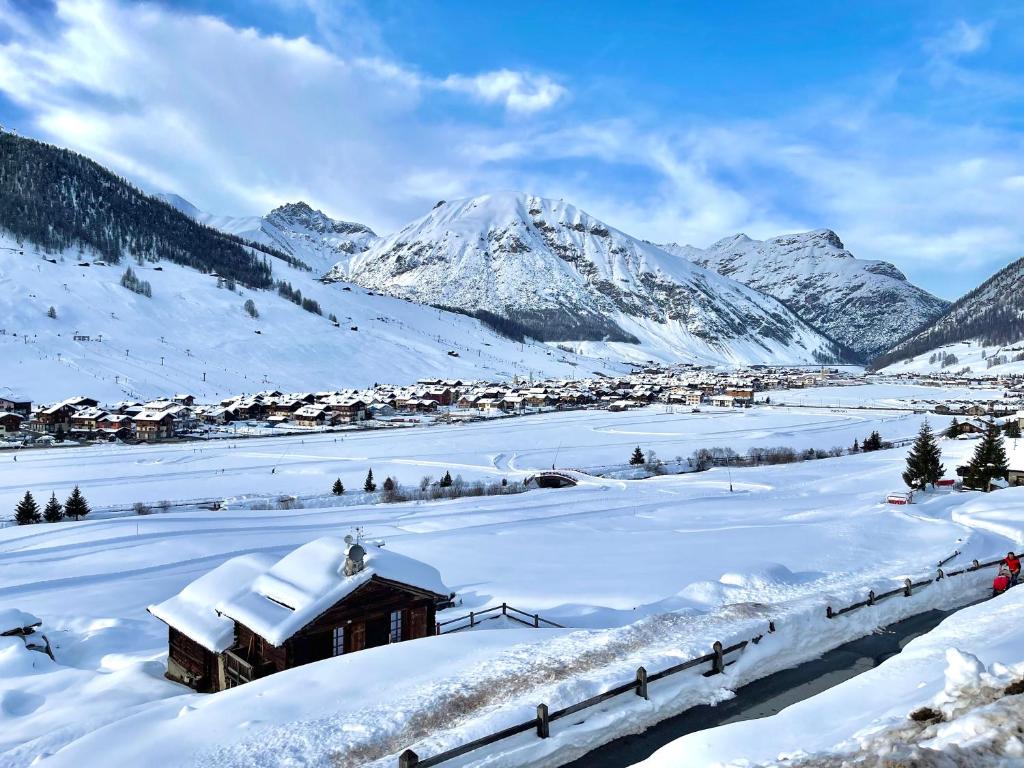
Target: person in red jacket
1001, 582
1013, 563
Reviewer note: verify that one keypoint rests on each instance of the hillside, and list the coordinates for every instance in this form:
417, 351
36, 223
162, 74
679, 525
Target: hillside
194, 335
862, 304
59, 200
983, 331
295, 229
549, 270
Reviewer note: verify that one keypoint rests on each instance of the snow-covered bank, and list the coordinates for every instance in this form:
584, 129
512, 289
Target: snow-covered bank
960, 669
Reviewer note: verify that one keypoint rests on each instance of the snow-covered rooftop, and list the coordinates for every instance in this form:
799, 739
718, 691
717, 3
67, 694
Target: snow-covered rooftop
193, 610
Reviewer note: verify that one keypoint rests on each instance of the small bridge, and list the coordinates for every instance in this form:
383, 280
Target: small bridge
553, 478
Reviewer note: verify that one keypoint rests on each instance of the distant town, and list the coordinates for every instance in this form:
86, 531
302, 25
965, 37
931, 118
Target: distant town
84, 419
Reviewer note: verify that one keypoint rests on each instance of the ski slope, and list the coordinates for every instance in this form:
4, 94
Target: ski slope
641, 572
195, 337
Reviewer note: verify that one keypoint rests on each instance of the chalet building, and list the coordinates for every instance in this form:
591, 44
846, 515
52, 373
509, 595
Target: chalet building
87, 418
971, 427
251, 616
55, 418
1015, 461
723, 401
311, 416
18, 405
440, 395
10, 422
151, 426
183, 399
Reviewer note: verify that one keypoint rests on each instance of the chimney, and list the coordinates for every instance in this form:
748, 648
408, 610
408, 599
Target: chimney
354, 559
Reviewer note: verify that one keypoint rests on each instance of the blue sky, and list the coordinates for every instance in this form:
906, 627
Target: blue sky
899, 125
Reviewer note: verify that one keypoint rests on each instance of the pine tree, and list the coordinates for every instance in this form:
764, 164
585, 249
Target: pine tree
924, 462
856, 446
27, 511
52, 313
369, 486
446, 481
76, 505
1013, 429
389, 484
637, 458
989, 460
953, 429
338, 487
54, 511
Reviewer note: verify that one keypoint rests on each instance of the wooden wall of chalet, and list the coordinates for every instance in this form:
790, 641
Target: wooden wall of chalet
362, 613
197, 663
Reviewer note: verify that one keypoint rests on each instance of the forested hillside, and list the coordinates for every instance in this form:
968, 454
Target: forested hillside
57, 199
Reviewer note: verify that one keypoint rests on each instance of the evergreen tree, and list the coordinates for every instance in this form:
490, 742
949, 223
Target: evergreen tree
54, 511
52, 313
1013, 429
856, 446
637, 458
338, 487
924, 462
369, 486
389, 484
953, 429
27, 511
872, 442
76, 505
59, 435
446, 481
989, 460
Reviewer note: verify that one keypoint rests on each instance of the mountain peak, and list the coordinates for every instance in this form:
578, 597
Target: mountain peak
302, 214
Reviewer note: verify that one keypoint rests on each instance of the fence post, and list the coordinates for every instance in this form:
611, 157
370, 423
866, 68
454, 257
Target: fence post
471, 619
408, 759
871, 597
828, 612
975, 565
641, 682
717, 663
536, 620
908, 587
437, 627
940, 576
543, 729
771, 625
504, 609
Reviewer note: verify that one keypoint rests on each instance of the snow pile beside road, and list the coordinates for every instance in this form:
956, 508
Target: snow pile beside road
951, 698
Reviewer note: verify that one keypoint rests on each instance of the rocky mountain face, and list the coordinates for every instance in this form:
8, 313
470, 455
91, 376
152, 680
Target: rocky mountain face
991, 315
558, 274
863, 304
297, 229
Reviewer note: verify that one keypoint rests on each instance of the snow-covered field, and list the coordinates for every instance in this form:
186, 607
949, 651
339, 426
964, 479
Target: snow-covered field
641, 572
881, 394
513, 447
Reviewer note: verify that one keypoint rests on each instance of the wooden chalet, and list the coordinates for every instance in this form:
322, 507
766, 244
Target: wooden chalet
251, 617
10, 422
151, 426
18, 405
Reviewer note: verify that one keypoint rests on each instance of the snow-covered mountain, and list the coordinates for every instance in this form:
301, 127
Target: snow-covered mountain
297, 229
551, 271
863, 304
983, 331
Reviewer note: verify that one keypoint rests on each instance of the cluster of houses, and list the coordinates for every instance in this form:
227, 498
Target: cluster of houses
83, 417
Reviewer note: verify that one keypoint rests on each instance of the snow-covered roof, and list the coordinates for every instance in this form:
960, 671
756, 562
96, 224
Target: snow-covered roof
12, 619
311, 579
193, 610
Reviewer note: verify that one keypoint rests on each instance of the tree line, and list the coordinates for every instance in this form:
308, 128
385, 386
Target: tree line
27, 511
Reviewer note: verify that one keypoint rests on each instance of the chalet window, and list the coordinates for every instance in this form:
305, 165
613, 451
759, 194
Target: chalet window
396, 627
338, 641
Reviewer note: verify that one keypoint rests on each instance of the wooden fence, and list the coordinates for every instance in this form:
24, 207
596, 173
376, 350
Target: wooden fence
476, 618
541, 723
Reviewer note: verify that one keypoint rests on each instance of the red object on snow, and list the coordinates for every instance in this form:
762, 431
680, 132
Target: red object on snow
1013, 563
945, 482
899, 498
1000, 584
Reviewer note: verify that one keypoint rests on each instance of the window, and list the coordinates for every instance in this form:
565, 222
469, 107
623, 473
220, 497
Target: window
338, 641
396, 627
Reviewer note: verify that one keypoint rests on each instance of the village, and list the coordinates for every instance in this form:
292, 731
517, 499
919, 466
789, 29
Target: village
82, 419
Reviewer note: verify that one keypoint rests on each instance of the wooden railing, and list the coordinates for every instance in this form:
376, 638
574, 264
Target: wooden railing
488, 614
717, 659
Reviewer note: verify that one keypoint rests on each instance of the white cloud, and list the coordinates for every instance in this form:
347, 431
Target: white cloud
517, 91
960, 39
